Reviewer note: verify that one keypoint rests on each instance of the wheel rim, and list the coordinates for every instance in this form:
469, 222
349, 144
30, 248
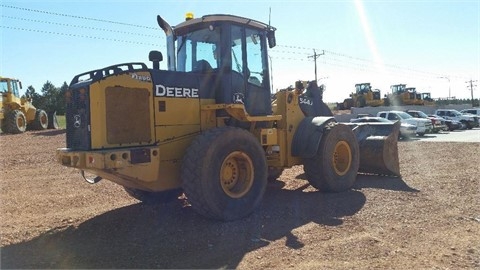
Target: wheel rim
20, 122
342, 158
236, 174
44, 119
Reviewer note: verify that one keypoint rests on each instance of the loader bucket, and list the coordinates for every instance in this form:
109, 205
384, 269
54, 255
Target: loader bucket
378, 147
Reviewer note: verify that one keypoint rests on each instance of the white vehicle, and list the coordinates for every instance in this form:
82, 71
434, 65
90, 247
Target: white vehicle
406, 130
423, 125
438, 123
475, 112
468, 120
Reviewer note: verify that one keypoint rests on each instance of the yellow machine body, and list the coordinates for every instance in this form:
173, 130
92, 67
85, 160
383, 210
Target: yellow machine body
209, 126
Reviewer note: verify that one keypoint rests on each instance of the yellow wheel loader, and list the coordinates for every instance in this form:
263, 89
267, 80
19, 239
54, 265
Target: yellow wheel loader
402, 95
364, 96
207, 125
17, 114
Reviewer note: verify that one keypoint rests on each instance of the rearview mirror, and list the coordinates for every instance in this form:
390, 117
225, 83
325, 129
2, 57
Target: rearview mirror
271, 39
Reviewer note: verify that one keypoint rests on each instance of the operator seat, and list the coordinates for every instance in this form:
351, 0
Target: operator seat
202, 66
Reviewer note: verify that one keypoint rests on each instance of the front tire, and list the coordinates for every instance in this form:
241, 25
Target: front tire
224, 173
15, 122
334, 167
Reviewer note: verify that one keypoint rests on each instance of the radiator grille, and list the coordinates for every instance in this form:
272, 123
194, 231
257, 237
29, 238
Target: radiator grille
127, 115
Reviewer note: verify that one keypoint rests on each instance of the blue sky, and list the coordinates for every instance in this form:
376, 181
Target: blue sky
381, 42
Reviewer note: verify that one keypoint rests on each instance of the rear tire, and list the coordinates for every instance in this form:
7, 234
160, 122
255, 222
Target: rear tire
149, 197
52, 121
334, 168
15, 122
40, 122
224, 173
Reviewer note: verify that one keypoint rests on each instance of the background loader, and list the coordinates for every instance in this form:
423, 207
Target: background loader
207, 126
364, 96
401, 95
18, 113
425, 99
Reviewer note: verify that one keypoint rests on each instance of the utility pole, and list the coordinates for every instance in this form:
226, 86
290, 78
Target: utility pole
315, 56
471, 90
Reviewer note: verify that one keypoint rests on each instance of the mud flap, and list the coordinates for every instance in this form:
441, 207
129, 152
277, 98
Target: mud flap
378, 147
308, 136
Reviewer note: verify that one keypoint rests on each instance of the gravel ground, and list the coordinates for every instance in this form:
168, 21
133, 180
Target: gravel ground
429, 218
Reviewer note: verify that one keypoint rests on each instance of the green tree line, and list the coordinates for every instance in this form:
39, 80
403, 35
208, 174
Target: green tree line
441, 102
50, 98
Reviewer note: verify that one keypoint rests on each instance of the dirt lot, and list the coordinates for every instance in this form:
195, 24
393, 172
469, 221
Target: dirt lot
428, 218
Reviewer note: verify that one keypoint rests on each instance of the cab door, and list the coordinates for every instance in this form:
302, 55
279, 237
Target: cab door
250, 82
258, 83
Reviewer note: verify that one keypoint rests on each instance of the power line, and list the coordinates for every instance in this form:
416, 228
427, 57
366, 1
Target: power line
329, 52
296, 49
77, 17
81, 36
78, 26
288, 52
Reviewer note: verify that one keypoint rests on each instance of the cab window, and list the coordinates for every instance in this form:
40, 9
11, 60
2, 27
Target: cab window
392, 116
198, 50
254, 57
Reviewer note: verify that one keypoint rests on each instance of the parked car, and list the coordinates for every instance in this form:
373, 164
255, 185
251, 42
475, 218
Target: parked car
423, 125
437, 122
450, 125
406, 130
468, 120
473, 111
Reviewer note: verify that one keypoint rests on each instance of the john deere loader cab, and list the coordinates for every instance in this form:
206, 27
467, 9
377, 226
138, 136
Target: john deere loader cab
228, 55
